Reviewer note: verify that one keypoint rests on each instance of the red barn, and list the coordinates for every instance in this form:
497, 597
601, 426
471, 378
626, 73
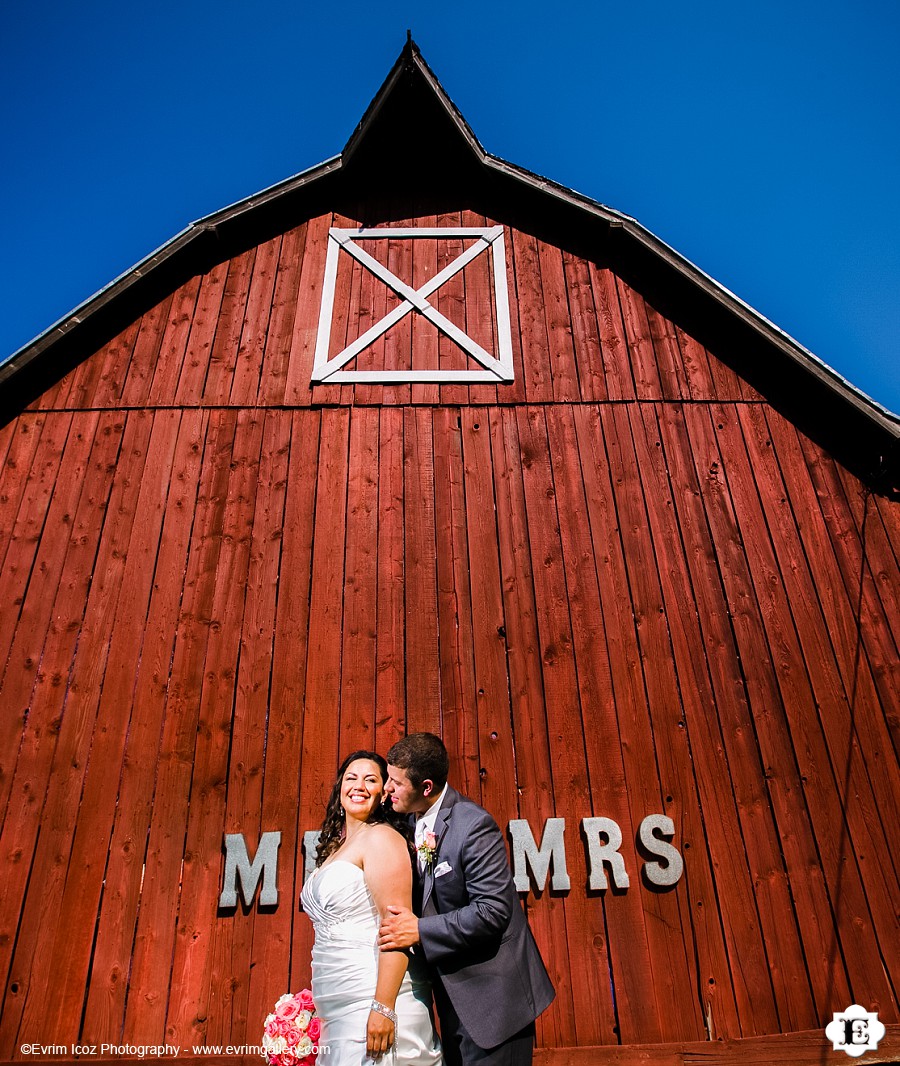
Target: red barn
419, 440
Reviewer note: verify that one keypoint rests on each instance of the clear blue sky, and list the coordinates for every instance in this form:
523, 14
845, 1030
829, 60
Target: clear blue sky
762, 141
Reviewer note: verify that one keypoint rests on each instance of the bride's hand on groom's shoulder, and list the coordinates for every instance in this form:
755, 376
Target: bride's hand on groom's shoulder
399, 929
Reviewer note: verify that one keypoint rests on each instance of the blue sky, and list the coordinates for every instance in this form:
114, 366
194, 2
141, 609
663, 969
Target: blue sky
761, 141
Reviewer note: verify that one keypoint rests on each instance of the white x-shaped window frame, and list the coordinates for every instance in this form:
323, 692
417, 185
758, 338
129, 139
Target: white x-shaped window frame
496, 369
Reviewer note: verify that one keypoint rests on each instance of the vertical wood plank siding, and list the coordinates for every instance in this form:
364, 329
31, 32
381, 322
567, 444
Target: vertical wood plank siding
622, 585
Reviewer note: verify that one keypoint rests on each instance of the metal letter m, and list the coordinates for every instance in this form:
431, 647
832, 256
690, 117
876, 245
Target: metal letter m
239, 870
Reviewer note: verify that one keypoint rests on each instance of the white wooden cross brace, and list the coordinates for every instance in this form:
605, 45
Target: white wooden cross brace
495, 369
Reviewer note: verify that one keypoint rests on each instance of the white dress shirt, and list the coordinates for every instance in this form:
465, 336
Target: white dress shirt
425, 824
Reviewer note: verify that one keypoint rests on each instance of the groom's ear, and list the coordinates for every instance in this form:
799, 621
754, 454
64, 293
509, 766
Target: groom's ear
427, 787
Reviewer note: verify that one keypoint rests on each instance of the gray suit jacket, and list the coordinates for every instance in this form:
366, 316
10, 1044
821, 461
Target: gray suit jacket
473, 931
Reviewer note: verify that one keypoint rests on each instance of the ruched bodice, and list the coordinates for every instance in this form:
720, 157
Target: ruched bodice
345, 970
339, 903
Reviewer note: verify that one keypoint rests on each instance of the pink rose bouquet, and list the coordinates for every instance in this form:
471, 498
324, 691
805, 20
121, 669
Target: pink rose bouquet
292, 1030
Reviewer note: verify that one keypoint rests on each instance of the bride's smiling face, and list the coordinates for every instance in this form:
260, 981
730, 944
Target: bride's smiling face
362, 789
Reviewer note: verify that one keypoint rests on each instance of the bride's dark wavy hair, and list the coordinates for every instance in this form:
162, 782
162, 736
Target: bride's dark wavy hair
331, 835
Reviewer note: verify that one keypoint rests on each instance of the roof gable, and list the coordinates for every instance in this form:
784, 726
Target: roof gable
413, 142
412, 129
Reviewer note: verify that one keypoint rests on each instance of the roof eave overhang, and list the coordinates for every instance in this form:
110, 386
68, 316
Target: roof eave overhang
195, 243
633, 230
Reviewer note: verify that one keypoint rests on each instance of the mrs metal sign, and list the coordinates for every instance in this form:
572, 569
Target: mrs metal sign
532, 863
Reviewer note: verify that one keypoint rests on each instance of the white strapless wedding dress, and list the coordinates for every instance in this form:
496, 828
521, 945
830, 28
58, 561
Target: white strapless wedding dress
344, 971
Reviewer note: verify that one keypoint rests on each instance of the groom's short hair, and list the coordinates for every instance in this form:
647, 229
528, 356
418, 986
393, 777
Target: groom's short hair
423, 757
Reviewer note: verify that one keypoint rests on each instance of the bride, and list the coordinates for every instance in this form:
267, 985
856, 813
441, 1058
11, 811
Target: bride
369, 1002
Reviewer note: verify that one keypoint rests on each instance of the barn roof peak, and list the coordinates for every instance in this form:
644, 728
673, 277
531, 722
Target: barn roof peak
412, 126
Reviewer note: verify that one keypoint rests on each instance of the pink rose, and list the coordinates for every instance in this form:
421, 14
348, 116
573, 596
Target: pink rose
315, 1030
430, 840
289, 1010
305, 999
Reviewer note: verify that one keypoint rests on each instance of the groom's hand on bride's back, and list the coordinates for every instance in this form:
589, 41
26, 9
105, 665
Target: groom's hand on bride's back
399, 929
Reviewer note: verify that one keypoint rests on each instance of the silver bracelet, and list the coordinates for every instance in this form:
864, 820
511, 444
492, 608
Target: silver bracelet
380, 1008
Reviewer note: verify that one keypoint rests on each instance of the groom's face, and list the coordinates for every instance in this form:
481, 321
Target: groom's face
405, 797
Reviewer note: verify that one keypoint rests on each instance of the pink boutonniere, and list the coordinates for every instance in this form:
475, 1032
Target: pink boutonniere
428, 848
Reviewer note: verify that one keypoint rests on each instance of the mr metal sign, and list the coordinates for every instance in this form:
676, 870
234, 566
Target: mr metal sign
532, 863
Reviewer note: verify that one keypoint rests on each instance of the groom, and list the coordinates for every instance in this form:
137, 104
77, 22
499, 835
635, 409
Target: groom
489, 981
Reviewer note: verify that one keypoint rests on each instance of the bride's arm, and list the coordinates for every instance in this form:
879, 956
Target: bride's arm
388, 874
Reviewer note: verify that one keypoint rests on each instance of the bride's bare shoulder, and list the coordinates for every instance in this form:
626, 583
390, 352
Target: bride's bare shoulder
385, 842
382, 832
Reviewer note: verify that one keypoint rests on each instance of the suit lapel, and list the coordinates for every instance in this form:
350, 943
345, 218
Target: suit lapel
441, 825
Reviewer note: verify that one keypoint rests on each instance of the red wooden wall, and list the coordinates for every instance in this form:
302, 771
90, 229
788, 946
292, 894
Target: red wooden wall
622, 585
